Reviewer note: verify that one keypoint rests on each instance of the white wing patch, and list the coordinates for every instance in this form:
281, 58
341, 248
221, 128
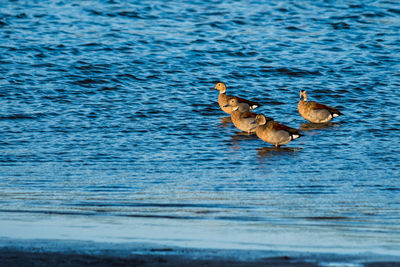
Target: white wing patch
253, 107
295, 136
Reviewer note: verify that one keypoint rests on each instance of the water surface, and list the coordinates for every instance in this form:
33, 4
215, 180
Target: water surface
110, 132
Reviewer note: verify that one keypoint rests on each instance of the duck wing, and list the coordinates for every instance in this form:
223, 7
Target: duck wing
280, 127
315, 105
249, 115
252, 104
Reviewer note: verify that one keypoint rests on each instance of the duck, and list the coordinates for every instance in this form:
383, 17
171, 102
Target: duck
241, 116
315, 112
223, 99
273, 132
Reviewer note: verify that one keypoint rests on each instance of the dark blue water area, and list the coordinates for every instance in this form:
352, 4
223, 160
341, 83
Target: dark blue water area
106, 110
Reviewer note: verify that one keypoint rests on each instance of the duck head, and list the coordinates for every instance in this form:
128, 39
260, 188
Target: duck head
234, 103
261, 119
221, 87
303, 95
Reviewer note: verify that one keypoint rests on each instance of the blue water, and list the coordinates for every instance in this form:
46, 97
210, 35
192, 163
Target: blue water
110, 132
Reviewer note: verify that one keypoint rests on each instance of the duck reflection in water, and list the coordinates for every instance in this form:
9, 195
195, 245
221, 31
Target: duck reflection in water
277, 151
226, 120
243, 136
309, 126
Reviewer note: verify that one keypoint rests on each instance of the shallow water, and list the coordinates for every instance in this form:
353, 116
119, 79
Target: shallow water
108, 123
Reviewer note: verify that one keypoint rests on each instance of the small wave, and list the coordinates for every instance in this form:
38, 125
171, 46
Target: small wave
88, 82
129, 14
394, 10
159, 205
47, 65
21, 116
107, 88
327, 218
91, 44
130, 76
242, 218
50, 212
239, 22
21, 16
244, 54
340, 25
218, 25
391, 189
345, 17
293, 28
294, 72
375, 15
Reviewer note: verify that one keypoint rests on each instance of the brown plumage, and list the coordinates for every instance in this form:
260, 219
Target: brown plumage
223, 99
315, 112
273, 132
242, 119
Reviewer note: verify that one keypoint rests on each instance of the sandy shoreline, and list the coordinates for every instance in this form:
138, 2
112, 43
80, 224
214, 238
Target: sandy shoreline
76, 253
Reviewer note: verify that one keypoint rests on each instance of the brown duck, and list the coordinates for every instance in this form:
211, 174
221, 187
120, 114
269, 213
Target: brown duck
315, 112
273, 132
242, 118
223, 99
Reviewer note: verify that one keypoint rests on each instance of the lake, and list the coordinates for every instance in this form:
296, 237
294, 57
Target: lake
110, 131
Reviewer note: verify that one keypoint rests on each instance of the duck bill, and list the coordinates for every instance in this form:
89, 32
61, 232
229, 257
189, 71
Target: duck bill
227, 106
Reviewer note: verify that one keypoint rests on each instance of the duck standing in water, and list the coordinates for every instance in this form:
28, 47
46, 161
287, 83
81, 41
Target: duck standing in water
273, 132
241, 116
223, 99
315, 112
